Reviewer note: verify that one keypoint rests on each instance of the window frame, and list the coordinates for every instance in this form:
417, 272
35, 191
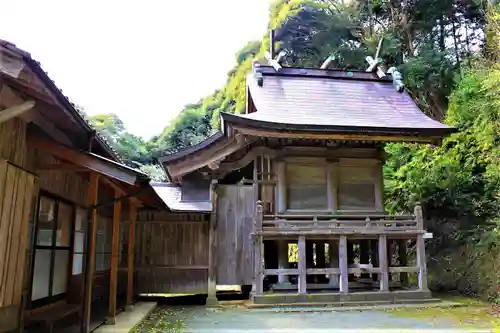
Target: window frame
51, 298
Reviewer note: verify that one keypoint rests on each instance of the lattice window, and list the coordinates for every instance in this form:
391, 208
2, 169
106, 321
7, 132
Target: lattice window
306, 186
356, 187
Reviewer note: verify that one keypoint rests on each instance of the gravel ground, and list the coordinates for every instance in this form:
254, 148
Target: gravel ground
240, 319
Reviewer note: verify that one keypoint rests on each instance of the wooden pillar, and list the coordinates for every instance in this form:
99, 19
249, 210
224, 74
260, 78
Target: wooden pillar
258, 247
379, 187
302, 265
90, 263
332, 185
374, 257
343, 281
403, 261
212, 250
382, 254
364, 256
282, 259
281, 188
333, 249
113, 276
422, 264
131, 245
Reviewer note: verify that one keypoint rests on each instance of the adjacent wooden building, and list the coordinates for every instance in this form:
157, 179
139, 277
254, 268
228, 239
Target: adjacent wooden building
67, 209
295, 194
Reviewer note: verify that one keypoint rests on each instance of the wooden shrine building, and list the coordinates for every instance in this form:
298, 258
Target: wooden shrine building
294, 189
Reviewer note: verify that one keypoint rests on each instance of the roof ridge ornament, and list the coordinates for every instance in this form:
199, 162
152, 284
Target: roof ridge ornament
374, 63
397, 79
257, 73
276, 62
328, 61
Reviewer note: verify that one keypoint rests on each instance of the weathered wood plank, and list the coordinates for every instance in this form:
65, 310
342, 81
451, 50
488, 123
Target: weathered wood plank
235, 215
5, 225
212, 249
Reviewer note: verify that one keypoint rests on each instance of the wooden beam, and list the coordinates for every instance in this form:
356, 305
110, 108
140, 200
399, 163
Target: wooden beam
330, 136
90, 162
212, 250
115, 246
93, 190
15, 111
302, 265
131, 244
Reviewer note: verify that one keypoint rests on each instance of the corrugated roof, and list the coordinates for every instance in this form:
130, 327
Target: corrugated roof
317, 101
171, 194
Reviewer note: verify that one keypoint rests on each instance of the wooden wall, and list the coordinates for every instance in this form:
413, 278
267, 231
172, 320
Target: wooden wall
235, 213
171, 253
16, 195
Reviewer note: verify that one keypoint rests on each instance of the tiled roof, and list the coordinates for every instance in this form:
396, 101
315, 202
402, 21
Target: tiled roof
171, 194
37, 68
330, 100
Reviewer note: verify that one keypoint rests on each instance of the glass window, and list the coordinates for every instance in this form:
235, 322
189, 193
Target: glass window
79, 245
53, 248
46, 216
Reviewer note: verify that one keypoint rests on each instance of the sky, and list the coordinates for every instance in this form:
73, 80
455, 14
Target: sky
141, 60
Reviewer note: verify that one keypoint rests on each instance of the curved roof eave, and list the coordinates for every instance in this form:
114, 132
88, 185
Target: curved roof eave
334, 129
193, 149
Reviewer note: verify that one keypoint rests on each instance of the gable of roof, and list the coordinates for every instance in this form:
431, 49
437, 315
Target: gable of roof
171, 194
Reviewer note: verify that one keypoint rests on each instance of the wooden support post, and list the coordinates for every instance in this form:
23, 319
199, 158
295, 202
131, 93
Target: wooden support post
364, 256
131, 244
212, 250
419, 217
309, 258
282, 259
281, 188
403, 261
422, 264
382, 254
258, 253
333, 249
302, 265
343, 281
115, 246
374, 257
90, 264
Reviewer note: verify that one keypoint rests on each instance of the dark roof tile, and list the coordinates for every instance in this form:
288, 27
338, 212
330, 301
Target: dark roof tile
324, 101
